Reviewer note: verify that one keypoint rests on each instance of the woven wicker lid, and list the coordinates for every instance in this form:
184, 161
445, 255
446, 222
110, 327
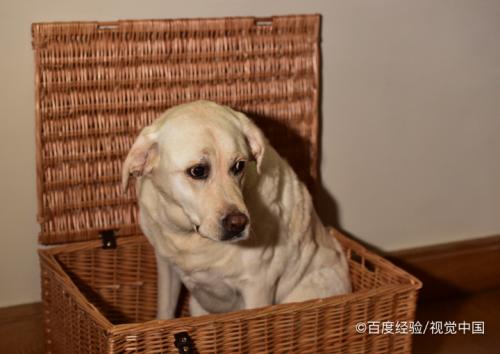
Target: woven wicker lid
97, 84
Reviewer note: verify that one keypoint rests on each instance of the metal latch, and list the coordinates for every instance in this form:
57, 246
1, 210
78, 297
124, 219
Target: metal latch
108, 239
184, 343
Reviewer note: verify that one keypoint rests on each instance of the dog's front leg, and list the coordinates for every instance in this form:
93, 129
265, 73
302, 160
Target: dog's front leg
169, 287
258, 296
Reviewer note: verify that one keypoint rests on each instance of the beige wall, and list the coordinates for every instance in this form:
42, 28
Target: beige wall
411, 103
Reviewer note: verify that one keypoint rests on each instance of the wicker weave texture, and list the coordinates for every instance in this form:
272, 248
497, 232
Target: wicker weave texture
97, 85
93, 296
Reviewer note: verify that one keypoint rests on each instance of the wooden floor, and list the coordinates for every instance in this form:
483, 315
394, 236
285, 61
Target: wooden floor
21, 329
484, 306
21, 332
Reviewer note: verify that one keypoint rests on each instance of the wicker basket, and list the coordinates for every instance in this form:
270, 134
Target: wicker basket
97, 85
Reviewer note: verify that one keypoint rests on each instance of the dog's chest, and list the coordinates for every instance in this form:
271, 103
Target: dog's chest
214, 266
215, 293
213, 274
193, 254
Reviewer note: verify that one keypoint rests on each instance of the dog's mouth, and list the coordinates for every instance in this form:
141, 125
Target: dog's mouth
225, 239
235, 238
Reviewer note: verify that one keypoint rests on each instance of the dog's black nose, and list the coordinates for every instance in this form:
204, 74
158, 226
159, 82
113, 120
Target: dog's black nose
233, 225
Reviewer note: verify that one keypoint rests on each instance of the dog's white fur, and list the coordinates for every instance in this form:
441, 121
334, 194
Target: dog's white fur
286, 255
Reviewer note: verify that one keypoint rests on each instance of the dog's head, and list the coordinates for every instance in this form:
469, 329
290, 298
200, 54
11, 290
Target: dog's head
197, 155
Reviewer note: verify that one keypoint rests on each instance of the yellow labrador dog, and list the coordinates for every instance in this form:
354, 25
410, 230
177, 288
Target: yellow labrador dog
227, 216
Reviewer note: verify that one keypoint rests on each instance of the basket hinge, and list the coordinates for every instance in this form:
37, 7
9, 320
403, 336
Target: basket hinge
108, 239
184, 343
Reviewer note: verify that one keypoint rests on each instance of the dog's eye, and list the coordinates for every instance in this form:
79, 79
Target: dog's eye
238, 167
199, 171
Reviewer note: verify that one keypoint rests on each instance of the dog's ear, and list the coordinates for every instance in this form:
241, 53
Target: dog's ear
255, 138
142, 157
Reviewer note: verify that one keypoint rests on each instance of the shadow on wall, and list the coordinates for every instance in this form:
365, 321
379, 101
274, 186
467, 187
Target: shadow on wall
292, 146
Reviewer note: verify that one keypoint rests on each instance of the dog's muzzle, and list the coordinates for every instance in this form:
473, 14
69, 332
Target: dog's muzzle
234, 224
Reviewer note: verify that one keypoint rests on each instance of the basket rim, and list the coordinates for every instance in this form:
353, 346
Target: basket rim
119, 22
131, 239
